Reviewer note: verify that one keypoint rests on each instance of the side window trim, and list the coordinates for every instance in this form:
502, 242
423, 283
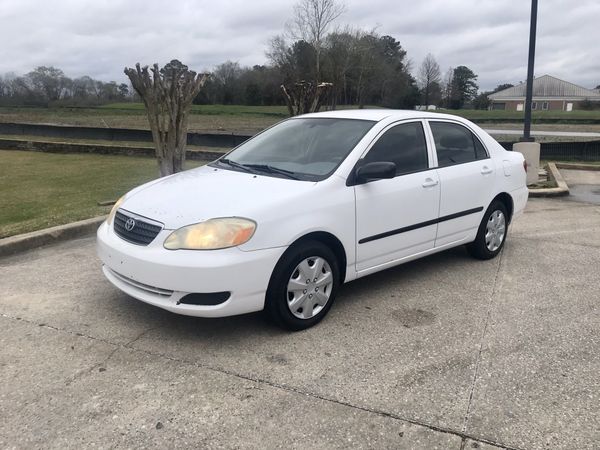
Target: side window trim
455, 122
394, 124
428, 143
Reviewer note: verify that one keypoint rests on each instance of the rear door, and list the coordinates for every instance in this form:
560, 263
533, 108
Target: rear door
466, 174
396, 218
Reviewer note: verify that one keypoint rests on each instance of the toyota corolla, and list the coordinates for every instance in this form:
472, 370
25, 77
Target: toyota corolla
283, 220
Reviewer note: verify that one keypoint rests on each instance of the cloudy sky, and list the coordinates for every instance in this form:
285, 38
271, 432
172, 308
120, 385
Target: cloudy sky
100, 37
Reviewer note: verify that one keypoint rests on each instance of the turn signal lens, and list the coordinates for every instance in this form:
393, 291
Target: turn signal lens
213, 234
113, 211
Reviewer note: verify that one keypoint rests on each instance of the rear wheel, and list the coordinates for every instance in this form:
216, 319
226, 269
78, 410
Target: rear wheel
303, 286
491, 234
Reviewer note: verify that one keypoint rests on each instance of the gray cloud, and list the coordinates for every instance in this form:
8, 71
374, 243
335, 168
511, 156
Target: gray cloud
99, 38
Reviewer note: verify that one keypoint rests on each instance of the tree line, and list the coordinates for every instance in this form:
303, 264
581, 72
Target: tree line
354, 67
46, 86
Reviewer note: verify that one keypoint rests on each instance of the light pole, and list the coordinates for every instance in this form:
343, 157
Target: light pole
530, 63
527, 145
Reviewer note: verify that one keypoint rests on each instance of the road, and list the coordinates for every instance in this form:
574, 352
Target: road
446, 352
583, 134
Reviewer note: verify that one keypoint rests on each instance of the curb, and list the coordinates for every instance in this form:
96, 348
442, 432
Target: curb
578, 166
28, 241
559, 191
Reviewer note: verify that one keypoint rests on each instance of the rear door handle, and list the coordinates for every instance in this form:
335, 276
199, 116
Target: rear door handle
486, 170
430, 183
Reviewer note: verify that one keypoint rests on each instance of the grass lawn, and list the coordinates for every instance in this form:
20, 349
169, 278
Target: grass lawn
40, 190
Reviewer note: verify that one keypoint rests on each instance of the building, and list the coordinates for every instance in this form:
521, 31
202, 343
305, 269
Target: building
549, 94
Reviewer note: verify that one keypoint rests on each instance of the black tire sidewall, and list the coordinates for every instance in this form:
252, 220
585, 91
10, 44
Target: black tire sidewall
479, 247
276, 298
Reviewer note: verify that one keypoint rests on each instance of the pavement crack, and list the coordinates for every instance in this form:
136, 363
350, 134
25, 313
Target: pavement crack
480, 351
261, 381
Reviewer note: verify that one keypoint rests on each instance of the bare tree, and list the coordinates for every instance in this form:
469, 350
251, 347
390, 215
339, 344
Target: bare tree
429, 76
311, 21
448, 87
304, 96
167, 94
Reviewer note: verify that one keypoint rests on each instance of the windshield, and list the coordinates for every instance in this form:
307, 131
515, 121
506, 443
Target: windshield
304, 149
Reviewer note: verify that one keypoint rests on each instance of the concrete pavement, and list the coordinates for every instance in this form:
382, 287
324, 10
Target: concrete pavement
445, 352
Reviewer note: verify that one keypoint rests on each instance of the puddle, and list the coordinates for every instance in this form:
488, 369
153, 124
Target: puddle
588, 193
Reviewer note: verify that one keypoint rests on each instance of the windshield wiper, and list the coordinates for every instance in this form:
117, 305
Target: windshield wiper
236, 165
271, 169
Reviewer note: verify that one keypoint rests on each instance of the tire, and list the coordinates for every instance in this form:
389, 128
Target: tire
490, 236
294, 300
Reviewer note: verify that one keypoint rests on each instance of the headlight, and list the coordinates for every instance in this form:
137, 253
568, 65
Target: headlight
113, 211
212, 235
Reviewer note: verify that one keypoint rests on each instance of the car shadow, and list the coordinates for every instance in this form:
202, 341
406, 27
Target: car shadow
257, 324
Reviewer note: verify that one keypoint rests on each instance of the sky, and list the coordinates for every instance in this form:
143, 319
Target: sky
100, 37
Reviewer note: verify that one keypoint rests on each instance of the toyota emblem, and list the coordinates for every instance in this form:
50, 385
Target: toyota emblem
129, 224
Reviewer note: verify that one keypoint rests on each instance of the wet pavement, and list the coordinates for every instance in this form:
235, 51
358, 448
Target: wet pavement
584, 185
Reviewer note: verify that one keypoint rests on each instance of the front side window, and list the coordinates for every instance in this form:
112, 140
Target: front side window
404, 145
455, 144
302, 148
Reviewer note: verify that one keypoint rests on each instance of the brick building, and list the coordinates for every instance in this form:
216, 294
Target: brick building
549, 94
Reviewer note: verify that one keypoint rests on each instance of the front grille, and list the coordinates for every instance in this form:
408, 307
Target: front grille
142, 233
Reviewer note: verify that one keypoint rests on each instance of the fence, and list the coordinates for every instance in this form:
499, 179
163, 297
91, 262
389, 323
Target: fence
566, 151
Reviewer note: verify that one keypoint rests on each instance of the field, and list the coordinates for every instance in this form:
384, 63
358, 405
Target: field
250, 119
40, 190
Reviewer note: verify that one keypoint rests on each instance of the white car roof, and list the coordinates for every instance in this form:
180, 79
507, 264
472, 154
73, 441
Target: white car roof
381, 114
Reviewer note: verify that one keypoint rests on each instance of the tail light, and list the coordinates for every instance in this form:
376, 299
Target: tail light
525, 165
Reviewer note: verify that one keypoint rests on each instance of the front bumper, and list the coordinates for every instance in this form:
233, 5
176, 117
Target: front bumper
163, 277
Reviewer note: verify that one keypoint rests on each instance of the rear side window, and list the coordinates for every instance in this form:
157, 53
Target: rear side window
455, 144
403, 145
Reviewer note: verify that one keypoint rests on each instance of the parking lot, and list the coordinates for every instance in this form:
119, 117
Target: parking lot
445, 352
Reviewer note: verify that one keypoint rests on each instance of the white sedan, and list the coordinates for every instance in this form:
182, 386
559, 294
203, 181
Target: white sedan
281, 221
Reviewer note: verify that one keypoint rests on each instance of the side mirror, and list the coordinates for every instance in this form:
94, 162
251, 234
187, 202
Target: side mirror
375, 171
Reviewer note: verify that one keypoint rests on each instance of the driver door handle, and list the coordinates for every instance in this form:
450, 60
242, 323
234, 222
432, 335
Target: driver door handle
430, 183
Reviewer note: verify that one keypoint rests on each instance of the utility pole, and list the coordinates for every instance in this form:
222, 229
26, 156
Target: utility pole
527, 145
529, 93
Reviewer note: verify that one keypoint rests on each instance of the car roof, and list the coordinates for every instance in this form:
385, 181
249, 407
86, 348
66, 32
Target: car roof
380, 114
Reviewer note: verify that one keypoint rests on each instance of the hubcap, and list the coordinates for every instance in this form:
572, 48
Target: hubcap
309, 287
495, 231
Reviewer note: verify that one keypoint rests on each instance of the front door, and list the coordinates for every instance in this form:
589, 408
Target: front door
396, 218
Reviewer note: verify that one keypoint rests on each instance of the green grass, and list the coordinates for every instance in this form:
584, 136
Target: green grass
212, 110
40, 190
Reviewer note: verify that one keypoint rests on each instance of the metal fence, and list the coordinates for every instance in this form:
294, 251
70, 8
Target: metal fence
566, 151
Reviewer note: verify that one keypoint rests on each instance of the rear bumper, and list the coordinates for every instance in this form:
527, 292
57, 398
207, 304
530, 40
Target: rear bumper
163, 277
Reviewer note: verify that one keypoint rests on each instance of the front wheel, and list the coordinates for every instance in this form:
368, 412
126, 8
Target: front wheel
491, 234
303, 286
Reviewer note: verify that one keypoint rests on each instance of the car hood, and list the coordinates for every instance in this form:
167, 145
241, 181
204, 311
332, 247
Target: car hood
208, 192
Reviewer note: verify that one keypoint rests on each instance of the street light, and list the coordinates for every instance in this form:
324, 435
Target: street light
527, 145
529, 92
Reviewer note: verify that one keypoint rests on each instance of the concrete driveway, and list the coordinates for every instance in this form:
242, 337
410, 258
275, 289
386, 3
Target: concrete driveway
446, 352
